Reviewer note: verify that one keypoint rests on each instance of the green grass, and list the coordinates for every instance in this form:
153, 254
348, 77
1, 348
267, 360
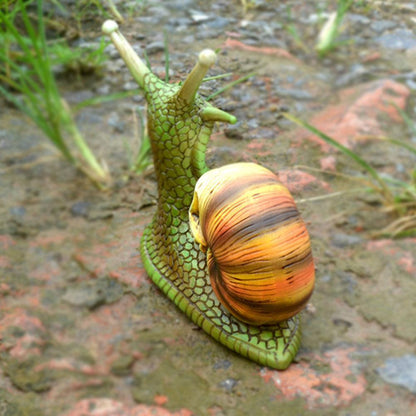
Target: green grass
142, 158
290, 28
32, 77
227, 86
398, 196
80, 60
327, 39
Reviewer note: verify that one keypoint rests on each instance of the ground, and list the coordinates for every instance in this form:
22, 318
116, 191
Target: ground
83, 331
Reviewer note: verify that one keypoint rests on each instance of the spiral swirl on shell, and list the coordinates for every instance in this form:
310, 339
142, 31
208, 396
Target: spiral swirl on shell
258, 248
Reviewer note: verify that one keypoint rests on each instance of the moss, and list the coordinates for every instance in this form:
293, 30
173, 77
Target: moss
122, 365
24, 376
22, 405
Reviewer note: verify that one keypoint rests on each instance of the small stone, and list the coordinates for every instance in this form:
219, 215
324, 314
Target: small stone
130, 85
179, 4
115, 122
355, 74
114, 66
218, 23
104, 89
398, 39
348, 282
235, 131
93, 293
297, 94
222, 365
80, 209
341, 240
400, 371
18, 211
111, 51
228, 384
380, 26
198, 16
83, 295
411, 84
358, 18
155, 47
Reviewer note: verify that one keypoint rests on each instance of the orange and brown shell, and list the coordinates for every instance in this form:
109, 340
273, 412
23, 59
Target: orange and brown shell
258, 248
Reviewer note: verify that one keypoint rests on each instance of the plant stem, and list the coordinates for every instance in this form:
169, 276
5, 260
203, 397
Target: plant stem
32, 76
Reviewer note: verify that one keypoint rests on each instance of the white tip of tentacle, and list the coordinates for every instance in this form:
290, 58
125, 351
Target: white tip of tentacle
109, 26
207, 57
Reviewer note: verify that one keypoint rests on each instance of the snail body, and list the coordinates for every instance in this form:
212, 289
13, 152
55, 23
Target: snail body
179, 124
258, 249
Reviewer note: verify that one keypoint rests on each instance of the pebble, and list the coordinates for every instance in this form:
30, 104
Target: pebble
18, 211
358, 18
180, 4
228, 384
235, 131
130, 85
222, 364
103, 89
218, 23
93, 293
381, 26
115, 122
155, 47
342, 240
111, 51
115, 66
400, 39
198, 16
179, 23
354, 75
294, 93
348, 281
80, 209
148, 20
411, 84
88, 297
400, 371
159, 11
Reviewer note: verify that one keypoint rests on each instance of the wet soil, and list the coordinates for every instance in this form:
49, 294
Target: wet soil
82, 328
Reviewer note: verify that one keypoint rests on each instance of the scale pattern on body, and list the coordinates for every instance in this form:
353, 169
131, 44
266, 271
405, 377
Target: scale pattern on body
179, 125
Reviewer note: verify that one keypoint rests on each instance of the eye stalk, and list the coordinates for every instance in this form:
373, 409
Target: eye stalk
206, 60
189, 88
136, 66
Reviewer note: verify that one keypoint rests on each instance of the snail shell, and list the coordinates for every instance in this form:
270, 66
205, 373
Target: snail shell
258, 249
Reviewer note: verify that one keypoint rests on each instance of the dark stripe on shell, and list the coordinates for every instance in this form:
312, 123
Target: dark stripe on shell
251, 226
259, 312
233, 189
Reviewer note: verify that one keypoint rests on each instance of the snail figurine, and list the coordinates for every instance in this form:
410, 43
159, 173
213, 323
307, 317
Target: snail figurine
227, 245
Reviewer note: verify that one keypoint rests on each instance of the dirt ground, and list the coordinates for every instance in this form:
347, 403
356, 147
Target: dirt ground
83, 331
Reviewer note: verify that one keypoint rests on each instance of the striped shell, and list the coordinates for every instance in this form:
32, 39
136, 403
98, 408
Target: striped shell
258, 249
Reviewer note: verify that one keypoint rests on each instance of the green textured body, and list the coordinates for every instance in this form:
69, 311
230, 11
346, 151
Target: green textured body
179, 126
179, 135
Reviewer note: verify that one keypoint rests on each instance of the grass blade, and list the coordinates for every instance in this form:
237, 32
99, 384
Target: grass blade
214, 77
32, 76
368, 168
403, 144
230, 85
104, 99
166, 48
